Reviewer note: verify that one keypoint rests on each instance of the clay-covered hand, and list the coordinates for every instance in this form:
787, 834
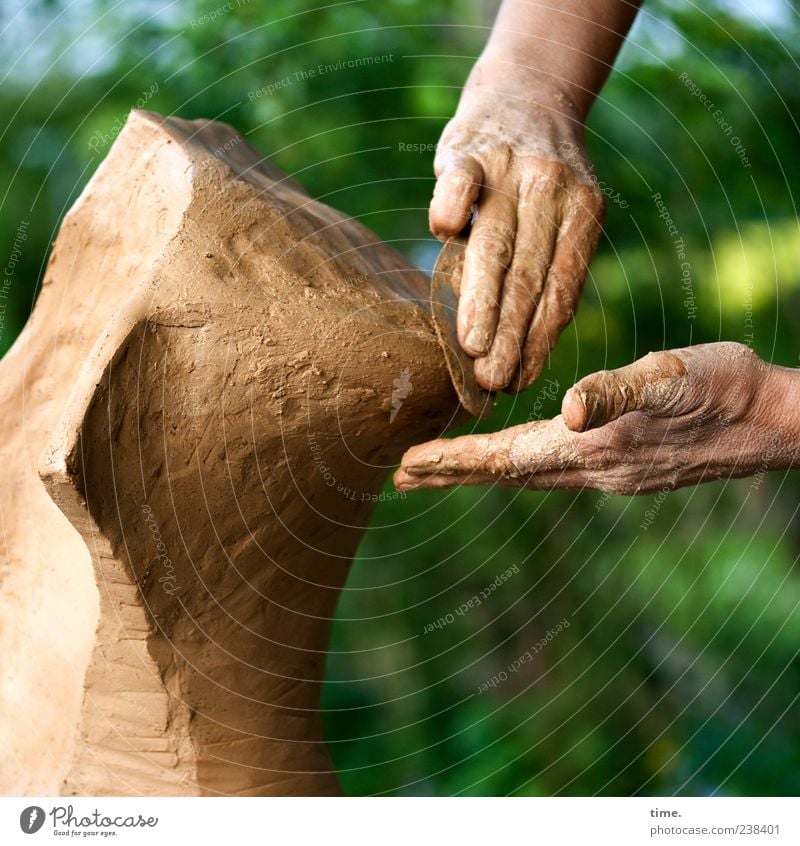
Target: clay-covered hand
670, 419
518, 153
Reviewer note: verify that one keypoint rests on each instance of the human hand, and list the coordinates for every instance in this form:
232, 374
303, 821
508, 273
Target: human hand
518, 152
668, 420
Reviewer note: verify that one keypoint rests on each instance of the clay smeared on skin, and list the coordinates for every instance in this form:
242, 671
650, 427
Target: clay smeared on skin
231, 347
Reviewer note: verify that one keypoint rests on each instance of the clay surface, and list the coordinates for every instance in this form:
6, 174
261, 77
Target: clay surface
217, 377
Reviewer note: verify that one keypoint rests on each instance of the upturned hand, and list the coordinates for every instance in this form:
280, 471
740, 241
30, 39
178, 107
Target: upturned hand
668, 420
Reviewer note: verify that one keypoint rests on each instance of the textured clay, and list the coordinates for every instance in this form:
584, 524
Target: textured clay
217, 377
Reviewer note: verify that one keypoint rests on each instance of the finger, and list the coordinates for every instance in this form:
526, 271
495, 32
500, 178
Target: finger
518, 452
652, 384
488, 255
574, 249
459, 180
540, 456
404, 481
482, 454
558, 480
538, 219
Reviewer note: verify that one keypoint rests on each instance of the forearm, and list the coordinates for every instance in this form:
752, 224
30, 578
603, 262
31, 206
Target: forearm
565, 46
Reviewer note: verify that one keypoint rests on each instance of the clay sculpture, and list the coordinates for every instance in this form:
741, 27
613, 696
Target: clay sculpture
218, 376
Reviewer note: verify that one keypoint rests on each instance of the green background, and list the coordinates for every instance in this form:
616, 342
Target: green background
679, 671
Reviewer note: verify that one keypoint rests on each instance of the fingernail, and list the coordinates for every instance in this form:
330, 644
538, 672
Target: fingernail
493, 375
417, 470
591, 408
478, 341
423, 464
573, 408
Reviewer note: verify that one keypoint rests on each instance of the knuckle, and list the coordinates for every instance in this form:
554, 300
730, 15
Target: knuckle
563, 292
530, 262
585, 206
619, 395
734, 349
569, 274
458, 178
543, 178
589, 205
499, 456
595, 203
495, 241
551, 171
521, 295
670, 364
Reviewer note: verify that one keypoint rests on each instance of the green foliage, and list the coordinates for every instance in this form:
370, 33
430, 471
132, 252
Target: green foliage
678, 672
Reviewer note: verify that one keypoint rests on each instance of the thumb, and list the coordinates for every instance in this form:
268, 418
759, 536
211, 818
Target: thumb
457, 187
652, 383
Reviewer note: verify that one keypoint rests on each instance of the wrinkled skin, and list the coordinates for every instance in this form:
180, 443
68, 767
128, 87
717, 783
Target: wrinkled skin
517, 153
668, 420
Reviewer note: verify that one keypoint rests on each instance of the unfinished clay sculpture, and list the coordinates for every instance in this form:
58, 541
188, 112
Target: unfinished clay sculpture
218, 376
